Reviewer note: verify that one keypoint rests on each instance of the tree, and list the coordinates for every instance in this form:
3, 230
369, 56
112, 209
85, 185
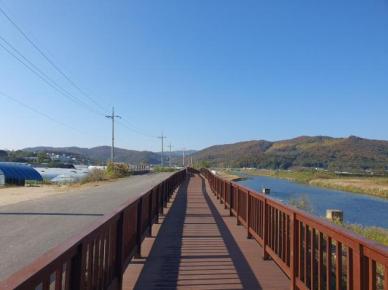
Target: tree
3, 155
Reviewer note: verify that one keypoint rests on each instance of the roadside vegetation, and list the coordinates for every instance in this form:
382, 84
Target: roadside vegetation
113, 171
160, 169
377, 186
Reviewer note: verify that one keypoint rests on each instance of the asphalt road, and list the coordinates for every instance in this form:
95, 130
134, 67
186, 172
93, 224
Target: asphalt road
30, 228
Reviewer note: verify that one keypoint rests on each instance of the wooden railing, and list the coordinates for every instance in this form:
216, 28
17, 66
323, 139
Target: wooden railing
97, 257
312, 252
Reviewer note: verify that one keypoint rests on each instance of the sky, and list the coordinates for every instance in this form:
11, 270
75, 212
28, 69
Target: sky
203, 72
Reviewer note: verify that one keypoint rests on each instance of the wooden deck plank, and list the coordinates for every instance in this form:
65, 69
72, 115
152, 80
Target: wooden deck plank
199, 246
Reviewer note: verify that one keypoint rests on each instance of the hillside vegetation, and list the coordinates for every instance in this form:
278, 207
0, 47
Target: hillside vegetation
352, 154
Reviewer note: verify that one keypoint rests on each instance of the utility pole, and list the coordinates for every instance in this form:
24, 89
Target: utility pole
169, 159
113, 117
162, 137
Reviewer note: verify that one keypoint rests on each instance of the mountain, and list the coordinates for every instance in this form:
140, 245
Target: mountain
344, 154
102, 154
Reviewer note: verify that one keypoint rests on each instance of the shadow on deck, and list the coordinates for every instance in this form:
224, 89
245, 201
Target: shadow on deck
199, 246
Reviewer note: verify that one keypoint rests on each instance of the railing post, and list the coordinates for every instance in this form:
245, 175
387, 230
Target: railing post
293, 251
161, 194
222, 191
139, 227
248, 211
218, 189
265, 230
358, 272
150, 215
76, 269
164, 194
119, 250
226, 195
238, 206
231, 200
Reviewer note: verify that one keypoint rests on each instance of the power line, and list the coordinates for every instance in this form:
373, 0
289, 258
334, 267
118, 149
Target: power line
127, 124
40, 74
49, 81
40, 113
53, 84
50, 61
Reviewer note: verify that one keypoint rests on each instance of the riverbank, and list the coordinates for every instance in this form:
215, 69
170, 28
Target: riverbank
376, 186
376, 234
226, 174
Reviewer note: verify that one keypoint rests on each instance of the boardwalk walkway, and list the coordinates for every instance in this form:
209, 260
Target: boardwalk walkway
199, 246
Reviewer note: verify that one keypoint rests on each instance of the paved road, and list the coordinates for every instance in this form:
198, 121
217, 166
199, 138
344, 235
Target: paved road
28, 229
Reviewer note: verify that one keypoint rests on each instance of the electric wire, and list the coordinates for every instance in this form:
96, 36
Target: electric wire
50, 61
49, 81
125, 123
41, 75
29, 107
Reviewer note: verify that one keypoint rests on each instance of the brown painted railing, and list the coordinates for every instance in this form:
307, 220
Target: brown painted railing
312, 252
97, 257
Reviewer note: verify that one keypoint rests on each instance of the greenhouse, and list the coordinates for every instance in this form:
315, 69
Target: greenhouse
13, 173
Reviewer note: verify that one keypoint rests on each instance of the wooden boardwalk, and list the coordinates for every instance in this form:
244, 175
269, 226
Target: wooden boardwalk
199, 246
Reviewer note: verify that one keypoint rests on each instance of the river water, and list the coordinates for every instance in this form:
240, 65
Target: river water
358, 209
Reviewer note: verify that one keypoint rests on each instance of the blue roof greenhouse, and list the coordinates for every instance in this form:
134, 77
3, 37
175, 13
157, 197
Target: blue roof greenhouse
14, 173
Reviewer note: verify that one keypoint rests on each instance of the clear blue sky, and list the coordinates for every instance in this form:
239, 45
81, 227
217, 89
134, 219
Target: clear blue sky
203, 71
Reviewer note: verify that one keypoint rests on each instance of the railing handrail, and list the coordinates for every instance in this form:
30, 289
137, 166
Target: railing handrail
309, 249
383, 250
29, 277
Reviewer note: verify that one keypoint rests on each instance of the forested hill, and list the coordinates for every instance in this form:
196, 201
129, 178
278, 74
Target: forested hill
344, 154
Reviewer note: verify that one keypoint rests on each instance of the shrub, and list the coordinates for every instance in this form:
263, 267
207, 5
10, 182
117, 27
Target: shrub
117, 170
95, 175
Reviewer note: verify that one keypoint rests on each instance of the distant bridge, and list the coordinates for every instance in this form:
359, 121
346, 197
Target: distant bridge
211, 234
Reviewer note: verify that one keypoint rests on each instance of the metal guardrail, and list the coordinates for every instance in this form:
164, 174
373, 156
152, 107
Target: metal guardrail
312, 252
97, 257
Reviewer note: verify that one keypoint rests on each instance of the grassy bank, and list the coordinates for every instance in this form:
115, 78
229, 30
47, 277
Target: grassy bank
228, 175
377, 186
377, 234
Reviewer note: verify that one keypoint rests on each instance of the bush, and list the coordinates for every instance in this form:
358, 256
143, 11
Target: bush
117, 170
95, 175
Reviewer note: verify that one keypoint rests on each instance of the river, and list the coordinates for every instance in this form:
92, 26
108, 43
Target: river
358, 209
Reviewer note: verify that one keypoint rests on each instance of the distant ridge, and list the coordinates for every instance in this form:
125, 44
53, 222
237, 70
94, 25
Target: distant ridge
343, 154
102, 154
